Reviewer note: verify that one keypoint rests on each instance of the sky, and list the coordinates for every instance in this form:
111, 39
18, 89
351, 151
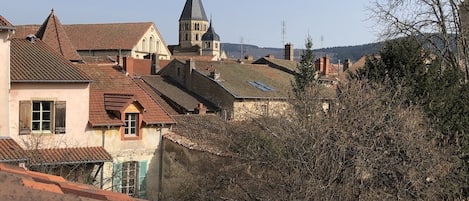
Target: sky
330, 23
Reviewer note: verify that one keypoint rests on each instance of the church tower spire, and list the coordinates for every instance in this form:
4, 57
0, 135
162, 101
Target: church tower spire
193, 23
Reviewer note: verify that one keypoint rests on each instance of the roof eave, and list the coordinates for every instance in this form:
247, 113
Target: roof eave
52, 81
7, 28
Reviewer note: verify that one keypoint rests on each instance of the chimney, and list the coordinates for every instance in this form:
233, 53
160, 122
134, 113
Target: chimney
215, 75
289, 52
190, 65
128, 64
327, 64
347, 64
31, 38
200, 109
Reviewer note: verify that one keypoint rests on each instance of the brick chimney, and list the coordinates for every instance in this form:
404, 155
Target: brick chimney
128, 64
289, 52
347, 64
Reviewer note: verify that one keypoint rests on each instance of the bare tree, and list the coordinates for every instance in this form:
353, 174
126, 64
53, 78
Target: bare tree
443, 24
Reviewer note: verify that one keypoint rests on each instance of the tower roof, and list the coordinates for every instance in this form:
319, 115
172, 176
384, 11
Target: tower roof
210, 35
54, 35
193, 10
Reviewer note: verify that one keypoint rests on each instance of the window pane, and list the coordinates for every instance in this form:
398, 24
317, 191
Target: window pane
132, 131
126, 130
46, 106
46, 116
36, 106
35, 126
36, 116
46, 126
132, 124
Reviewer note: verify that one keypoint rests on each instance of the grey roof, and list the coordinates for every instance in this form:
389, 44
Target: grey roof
210, 35
193, 10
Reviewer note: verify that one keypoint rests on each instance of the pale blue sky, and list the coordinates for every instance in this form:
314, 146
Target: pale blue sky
257, 22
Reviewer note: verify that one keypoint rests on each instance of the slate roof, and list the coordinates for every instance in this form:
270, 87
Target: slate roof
5, 24
113, 36
238, 79
210, 35
193, 10
19, 184
110, 80
37, 62
56, 156
281, 64
10, 151
155, 96
170, 90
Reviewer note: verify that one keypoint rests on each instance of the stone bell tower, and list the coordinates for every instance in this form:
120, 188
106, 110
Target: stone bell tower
193, 23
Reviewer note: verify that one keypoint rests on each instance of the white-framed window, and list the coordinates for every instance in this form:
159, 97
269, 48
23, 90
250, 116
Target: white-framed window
42, 116
129, 177
131, 125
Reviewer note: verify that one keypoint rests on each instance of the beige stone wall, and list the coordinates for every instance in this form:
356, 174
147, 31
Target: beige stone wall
4, 82
245, 109
146, 149
151, 42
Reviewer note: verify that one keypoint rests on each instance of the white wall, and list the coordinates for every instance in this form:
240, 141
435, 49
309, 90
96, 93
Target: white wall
4, 82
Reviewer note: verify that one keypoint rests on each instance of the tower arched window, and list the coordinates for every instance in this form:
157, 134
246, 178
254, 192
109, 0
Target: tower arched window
187, 36
196, 36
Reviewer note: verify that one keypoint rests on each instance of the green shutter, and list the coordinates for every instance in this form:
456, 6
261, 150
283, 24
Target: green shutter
117, 177
25, 118
60, 111
142, 179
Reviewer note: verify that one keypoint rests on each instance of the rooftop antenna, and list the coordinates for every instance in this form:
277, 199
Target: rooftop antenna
241, 49
322, 41
284, 31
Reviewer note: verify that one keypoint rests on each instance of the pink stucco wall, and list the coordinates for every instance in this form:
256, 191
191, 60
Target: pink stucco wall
76, 96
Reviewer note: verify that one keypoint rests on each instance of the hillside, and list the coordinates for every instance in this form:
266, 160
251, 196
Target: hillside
336, 53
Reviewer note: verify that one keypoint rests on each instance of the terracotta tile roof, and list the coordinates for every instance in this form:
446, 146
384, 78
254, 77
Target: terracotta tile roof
37, 62
194, 57
123, 36
171, 91
5, 24
110, 80
22, 31
19, 184
241, 80
117, 102
10, 151
69, 155
53, 34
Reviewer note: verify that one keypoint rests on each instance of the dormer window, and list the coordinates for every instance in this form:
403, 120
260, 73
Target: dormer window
131, 125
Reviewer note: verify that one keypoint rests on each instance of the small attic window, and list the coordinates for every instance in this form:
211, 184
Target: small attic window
261, 86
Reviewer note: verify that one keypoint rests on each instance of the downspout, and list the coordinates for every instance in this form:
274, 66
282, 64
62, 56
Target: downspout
103, 139
160, 168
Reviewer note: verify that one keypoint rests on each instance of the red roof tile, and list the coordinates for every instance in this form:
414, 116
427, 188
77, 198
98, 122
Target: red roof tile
106, 36
20, 184
5, 24
69, 155
110, 80
53, 34
37, 62
10, 151
22, 31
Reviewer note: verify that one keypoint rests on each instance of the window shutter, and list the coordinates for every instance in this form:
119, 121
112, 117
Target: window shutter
60, 113
142, 179
25, 118
117, 177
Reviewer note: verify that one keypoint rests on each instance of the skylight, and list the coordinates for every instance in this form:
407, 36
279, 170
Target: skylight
261, 86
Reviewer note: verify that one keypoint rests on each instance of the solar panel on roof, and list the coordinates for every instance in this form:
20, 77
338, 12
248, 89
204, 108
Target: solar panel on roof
261, 86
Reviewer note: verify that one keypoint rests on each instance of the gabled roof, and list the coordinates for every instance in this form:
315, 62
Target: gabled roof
37, 62
176, 94
53, 34
281, 64
75, 155
10, 151
193, 10
5, 24
114, 36
249, 80
19, 184
110, 80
